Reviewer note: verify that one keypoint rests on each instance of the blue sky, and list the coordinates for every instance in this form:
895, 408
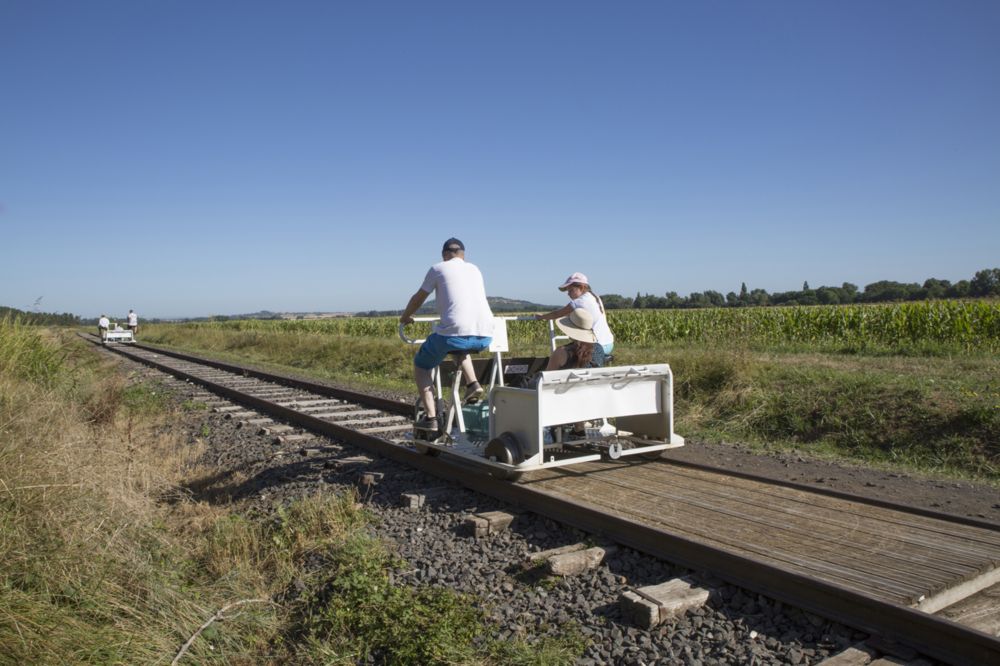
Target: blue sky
190, 158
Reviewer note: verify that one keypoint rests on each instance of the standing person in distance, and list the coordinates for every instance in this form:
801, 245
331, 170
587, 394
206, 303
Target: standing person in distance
466, 326
103, 324
133, 323
577, 286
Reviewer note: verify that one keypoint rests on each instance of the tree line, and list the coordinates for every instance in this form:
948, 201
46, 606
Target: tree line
40, 318
985, 283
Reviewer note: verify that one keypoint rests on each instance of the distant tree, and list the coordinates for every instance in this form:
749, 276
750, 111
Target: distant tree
985, 283
828, 295
732, 300
744, 294
697, 300
674, 300
807, 297
760, 297
805, 286
888, 290
958, 290
715, 298
616, 302
934, 288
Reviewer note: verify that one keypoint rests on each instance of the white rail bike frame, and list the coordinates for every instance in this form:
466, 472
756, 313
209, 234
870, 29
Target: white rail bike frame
498, 347
113, 336
638, 397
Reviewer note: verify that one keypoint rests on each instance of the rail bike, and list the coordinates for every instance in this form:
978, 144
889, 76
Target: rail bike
525, 423
117, 335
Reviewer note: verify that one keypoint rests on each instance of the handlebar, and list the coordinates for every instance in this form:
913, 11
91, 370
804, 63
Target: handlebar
412, 341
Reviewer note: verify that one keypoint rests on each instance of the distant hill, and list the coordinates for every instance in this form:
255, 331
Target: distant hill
497, 304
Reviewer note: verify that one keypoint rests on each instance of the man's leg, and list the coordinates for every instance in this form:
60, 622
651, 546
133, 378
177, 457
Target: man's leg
473, 391
468, 370
425, 388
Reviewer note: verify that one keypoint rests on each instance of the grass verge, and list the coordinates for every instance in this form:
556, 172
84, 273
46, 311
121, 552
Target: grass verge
105, 561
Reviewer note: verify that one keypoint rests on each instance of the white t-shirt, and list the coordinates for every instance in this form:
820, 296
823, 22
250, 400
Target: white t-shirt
588, 302
104, 322
133, 319
460, 296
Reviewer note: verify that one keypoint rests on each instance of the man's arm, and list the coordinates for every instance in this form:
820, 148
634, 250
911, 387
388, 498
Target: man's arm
415, 302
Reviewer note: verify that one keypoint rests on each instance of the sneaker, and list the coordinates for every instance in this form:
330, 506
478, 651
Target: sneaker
474, 396
430, 423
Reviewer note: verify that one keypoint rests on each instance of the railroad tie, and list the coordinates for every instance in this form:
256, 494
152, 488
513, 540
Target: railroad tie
648, 606
276, 429
239, 415
856, 655
288, 439
488, 522
416, 500
259, 421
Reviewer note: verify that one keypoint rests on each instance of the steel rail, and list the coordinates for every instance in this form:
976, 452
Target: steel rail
931, 635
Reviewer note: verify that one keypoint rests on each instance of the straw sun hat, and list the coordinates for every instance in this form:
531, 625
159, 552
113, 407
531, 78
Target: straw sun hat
578, 325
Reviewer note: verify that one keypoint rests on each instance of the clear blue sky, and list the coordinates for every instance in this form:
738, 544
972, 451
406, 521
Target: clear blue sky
187, 158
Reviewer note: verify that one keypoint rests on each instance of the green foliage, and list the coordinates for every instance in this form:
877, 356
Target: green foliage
144, 399
27, 355
907, 328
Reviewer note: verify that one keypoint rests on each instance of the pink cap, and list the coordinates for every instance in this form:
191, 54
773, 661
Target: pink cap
575, 278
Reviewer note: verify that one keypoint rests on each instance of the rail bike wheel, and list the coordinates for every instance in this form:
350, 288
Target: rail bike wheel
504, 448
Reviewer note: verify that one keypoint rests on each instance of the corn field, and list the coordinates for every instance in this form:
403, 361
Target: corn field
966, 325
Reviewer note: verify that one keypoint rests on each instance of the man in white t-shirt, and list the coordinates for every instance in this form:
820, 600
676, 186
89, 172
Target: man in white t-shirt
133, 322
466, 325
102, 327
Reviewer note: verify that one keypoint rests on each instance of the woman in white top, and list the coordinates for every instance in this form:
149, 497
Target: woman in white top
577, 286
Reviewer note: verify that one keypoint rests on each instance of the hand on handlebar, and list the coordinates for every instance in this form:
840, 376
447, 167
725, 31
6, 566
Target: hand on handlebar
406, 320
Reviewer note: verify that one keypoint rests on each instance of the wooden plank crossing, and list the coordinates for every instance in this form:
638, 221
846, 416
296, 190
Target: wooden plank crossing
888, 554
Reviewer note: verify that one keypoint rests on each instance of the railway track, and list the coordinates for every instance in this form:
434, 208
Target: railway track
881, 568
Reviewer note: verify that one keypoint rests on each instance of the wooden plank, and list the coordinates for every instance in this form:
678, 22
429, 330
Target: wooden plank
707, 527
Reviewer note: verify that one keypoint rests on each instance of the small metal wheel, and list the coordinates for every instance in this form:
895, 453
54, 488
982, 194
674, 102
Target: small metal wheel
614, 450
504, 448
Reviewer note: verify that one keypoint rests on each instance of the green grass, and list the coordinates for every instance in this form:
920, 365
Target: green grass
108, 560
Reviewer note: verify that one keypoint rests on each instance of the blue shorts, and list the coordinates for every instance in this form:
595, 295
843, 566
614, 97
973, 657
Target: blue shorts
436, 347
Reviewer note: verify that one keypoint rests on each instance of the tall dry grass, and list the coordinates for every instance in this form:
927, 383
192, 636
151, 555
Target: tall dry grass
105, 560
90, 574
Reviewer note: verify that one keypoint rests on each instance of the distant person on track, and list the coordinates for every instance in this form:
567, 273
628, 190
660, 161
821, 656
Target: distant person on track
466, 326
103, 324
133, 323
577, 287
